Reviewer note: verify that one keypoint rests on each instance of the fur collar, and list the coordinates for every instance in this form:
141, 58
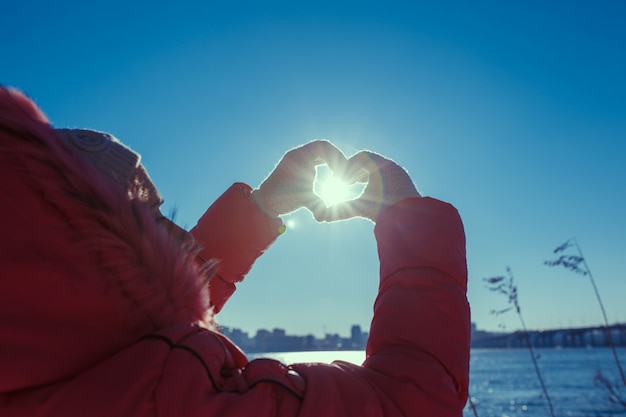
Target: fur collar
80, 263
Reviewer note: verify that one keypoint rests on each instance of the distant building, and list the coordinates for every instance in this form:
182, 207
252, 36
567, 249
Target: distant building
358, 339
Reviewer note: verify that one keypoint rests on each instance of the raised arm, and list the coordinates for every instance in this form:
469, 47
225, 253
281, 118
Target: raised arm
233, 232
243, 223
418, 349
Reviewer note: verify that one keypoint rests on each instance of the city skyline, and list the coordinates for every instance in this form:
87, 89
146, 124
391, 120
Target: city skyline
278, 340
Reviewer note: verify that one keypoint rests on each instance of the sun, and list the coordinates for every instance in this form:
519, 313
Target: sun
331, 189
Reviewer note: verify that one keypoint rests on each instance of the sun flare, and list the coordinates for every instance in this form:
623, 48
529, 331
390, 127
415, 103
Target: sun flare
333, 190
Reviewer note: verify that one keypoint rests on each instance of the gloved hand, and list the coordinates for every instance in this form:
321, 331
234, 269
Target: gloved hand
387, 184
290, 185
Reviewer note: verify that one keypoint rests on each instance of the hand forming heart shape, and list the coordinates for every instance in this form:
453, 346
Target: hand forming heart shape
386, 183
291, 185
332, 189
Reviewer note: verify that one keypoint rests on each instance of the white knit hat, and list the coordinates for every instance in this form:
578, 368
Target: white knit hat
112, 158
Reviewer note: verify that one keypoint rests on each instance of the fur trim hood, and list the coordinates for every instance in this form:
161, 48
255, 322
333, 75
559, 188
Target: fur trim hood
84, 270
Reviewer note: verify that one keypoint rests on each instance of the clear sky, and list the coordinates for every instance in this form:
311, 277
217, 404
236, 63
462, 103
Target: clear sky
515, 112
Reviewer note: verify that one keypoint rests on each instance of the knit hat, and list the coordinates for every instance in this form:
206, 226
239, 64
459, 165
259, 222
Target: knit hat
113, 159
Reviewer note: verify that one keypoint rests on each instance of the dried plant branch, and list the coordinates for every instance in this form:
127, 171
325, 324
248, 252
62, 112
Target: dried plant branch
472, 406
506, 286
615, 394
572, 263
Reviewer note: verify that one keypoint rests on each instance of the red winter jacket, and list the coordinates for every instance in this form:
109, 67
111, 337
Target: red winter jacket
102, 314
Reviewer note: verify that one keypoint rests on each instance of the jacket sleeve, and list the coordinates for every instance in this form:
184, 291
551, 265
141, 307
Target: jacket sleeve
417, 358
234, 232
417, 361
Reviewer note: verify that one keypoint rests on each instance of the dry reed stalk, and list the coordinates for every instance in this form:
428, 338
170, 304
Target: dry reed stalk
573, 262
506, 286
472, 406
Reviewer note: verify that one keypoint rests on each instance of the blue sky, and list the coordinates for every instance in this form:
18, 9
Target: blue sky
515, 112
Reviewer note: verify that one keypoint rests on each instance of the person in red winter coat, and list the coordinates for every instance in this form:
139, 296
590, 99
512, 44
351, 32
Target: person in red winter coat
106, 308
